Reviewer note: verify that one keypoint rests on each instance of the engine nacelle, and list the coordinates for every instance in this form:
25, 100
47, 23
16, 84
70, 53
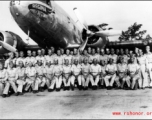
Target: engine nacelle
11, 39
96, 41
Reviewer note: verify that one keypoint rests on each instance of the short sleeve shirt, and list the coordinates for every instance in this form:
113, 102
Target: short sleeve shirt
31, 71
132, 68
3, 74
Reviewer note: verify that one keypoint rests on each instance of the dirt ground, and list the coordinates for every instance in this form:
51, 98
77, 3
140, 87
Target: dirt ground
93, 104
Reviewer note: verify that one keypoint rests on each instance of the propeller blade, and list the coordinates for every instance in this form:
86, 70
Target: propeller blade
80, 18
82, 47
108, 33
8, 47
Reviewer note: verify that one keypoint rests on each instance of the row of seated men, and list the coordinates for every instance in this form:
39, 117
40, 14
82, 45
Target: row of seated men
55, 71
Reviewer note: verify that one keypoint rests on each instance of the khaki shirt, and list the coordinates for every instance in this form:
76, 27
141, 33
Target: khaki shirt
21, 72
114, 57
105, 58
40, 70
122, 68
141, 60
49, 70
95, 69
111, 68
3, 73
12, 73
30, 59
57, 70
76, 69
30, 71
86, 69
132, 68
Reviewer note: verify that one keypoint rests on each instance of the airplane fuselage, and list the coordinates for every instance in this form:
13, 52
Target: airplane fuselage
47, 25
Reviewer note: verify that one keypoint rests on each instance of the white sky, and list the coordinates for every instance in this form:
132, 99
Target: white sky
118, 14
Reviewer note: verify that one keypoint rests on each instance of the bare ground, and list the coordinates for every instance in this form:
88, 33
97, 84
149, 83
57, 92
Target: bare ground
92, 104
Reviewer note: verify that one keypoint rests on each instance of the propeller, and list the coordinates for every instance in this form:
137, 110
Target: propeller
105, 33
7, 46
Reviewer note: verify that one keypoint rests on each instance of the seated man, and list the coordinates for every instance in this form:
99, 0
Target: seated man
12, 77
134, 76
49, 73
111, 74
21, 77
103, 73
40, 77
76, 74
56, 77
3, 78
85, 73
122, 69
67, 75
95, 72
31, 76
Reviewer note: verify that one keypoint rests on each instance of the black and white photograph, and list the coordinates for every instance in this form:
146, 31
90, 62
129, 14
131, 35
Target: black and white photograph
75, 59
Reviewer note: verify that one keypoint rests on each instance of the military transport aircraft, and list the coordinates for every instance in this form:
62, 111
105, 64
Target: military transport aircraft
49, 25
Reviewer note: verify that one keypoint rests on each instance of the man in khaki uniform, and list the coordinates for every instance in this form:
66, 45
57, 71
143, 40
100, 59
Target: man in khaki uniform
12, 77
141, 60
21, 78
76, 74
113, 56
29, 59
11, 56
40, 57
67, 75
93, 56
49, 57
84, 56
49, 68
59, 58
3, 78
85, 73
75, 56
122, 69
21, 58
57, 77
16, 59
103, 73
68, 56
149, 63
111, 69
95, 73
134, 76
40, 77
31, 76
104, 57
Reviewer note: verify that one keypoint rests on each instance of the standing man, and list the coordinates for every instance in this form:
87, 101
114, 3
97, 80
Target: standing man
11, 56
113, 56
149, 63
68, 56
104, 57
141, 60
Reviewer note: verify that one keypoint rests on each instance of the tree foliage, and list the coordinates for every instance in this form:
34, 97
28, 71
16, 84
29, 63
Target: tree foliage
133, 33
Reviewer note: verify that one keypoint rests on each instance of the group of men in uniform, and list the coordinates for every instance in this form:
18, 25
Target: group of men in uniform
95, 68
